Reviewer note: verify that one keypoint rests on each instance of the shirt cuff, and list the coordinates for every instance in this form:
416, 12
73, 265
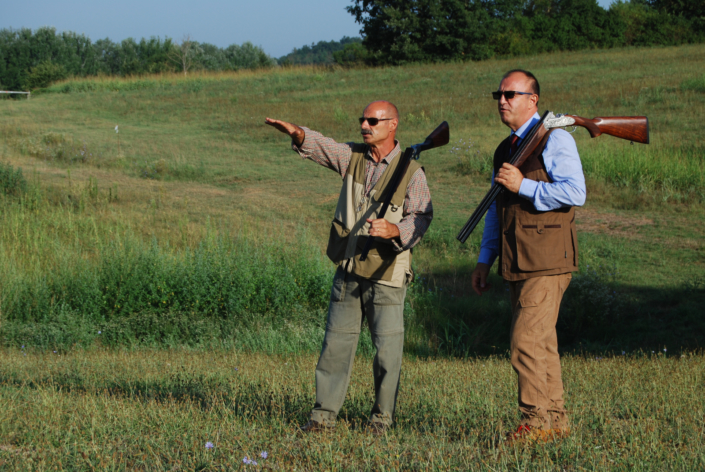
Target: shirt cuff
528, 188
301, 150
487, 256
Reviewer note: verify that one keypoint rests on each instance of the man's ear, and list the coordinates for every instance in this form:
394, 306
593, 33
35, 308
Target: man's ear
534, 99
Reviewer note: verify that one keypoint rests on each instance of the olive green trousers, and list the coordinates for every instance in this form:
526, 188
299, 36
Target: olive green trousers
354, 299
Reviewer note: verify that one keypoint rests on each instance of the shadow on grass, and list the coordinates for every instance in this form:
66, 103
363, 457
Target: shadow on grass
598, 314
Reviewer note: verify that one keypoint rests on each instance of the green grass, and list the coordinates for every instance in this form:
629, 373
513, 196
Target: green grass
197, 170
196, 246
156, 410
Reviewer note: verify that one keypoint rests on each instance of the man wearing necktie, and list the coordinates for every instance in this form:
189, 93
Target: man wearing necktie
531, 230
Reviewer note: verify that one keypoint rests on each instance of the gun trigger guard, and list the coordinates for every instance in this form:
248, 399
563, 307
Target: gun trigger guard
573, 130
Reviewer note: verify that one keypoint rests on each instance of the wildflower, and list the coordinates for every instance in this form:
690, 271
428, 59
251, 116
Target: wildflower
209, 445
55, 352
664, 349
100, 332
246, 460
263, 454
235, 368
116, 129
623, 353
23, 346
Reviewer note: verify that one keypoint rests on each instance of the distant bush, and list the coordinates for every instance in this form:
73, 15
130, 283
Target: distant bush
44, 74
346, 51
12, 182
352, 54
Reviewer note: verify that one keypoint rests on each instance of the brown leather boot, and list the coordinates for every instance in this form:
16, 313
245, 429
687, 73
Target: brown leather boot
526, 433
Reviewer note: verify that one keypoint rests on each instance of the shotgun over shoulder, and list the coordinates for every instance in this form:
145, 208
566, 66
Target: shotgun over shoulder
439, 137
632, 128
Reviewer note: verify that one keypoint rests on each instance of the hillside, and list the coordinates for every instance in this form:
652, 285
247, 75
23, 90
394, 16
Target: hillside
197, 170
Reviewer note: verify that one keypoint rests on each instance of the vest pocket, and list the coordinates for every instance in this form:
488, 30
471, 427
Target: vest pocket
540, 245
380, 261
337, 242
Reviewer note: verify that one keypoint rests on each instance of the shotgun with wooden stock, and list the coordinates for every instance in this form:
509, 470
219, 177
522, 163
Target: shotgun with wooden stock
439, 137
632, 128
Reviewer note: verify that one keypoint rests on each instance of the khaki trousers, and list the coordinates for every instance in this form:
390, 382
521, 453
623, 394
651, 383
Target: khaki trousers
354, 299
534, 350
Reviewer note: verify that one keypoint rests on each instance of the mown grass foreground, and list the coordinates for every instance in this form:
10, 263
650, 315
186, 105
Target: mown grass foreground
157, 410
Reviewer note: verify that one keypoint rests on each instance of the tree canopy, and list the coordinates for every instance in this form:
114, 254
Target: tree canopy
32, 59
401, 31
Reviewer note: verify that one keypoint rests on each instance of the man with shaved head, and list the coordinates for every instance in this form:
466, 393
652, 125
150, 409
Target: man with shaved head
374, 289
531, 230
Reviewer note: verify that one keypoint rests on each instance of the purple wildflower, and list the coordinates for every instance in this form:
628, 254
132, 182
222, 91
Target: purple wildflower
263, 454
209, 445
246, 460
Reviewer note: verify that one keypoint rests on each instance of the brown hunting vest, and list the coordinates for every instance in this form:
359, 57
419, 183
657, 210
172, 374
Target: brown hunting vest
349, 230
533, 243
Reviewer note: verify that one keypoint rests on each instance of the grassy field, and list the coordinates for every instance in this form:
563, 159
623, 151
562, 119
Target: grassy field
157, 410
195, 164
195, 237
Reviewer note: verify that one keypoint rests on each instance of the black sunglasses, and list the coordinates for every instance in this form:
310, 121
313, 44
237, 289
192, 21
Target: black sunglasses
508, 94
373, 121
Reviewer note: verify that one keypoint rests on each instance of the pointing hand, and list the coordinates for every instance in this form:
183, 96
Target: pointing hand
296, 132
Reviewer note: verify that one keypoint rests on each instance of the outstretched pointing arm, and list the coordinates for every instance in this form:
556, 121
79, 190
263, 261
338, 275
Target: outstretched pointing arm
296, 132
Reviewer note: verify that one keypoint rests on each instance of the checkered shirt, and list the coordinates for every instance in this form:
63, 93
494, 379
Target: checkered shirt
418, 209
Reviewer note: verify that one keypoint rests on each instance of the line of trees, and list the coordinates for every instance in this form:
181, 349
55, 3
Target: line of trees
33, 59
402, 31
323, 52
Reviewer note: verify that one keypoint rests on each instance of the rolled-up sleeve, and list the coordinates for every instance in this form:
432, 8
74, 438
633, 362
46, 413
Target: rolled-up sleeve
325, 151
418, 212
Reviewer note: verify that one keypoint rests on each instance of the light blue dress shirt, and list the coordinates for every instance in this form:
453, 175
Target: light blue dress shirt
567, 189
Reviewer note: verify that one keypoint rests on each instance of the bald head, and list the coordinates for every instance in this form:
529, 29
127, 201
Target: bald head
389, 109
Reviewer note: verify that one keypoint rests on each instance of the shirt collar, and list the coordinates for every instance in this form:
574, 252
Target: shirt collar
526, 126
389, 157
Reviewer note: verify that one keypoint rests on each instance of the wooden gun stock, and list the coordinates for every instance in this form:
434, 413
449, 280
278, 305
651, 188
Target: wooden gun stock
439, 137
632, 128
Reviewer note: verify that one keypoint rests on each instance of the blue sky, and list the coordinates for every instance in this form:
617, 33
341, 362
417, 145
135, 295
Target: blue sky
276, 25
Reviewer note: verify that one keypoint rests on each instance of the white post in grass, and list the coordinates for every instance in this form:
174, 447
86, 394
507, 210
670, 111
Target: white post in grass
118, 138
23, 93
